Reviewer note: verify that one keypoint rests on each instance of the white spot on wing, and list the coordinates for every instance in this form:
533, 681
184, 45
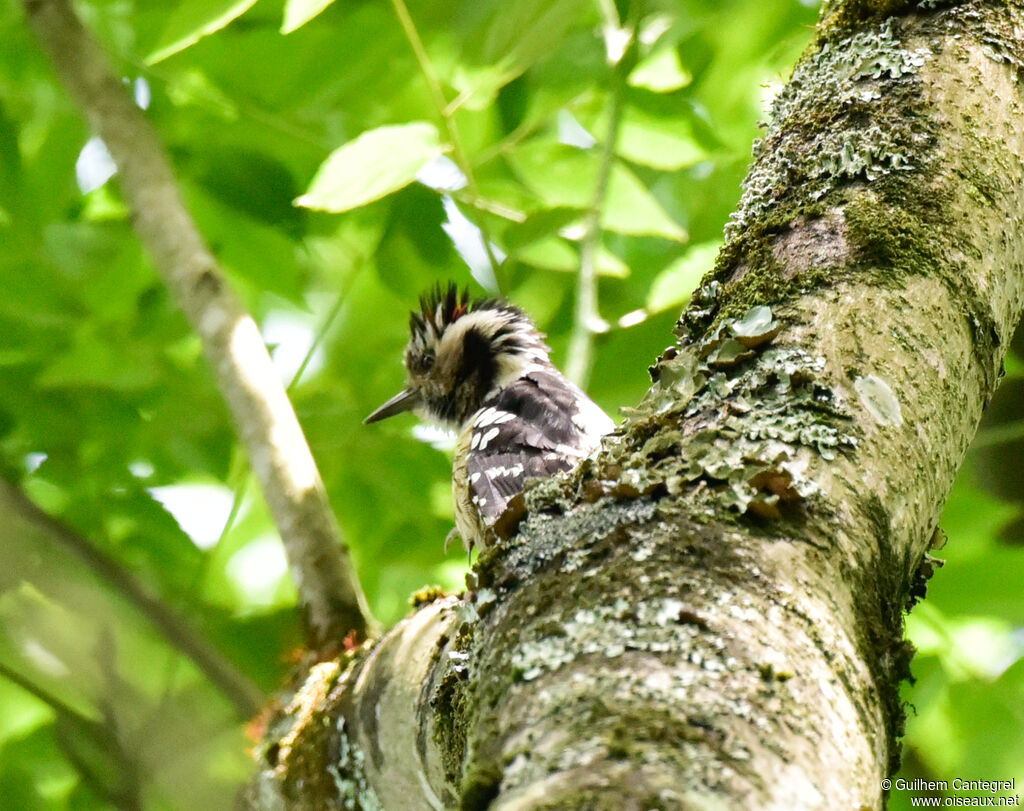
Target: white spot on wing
501, 470
492, 416
487, 417
491, 434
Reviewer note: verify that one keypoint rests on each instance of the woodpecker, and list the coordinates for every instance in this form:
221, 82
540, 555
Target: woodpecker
481, 368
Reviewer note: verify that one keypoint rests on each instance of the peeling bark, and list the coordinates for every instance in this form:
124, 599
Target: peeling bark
708, 612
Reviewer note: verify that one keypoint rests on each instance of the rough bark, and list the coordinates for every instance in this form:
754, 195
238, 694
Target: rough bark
329, 588
708, 613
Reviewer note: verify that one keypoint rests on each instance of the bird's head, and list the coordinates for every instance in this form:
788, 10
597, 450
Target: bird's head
460, 352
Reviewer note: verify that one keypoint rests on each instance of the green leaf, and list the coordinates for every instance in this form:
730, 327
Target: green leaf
511, 38
663, 142
544, 223
250, 249
192, 87
660, 72
608, 264
552, 253
191, 21
371, 166
565, 177
32, 767
94, 359
655, 131
299, 12
672, 287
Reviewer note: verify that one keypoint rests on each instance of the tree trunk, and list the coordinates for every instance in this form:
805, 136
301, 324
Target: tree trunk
708, 613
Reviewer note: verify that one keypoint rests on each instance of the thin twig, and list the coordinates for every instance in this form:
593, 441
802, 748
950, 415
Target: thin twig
33, 689
102, 739
587, 318
330, 592
491, 207
998, 434
319, 336
447, 113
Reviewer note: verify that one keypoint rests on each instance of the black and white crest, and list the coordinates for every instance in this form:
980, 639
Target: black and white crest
462, 350
439, 307
443, 305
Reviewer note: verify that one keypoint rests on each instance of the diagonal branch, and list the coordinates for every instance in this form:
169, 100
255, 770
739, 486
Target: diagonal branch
619, 40
246, 696
329, 589
119, 785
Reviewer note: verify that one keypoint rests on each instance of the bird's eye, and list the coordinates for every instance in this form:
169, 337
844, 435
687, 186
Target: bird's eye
426, 362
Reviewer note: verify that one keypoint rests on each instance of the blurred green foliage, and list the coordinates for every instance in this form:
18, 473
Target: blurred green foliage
110, 422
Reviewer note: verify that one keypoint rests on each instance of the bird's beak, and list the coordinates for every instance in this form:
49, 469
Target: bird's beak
403, 401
